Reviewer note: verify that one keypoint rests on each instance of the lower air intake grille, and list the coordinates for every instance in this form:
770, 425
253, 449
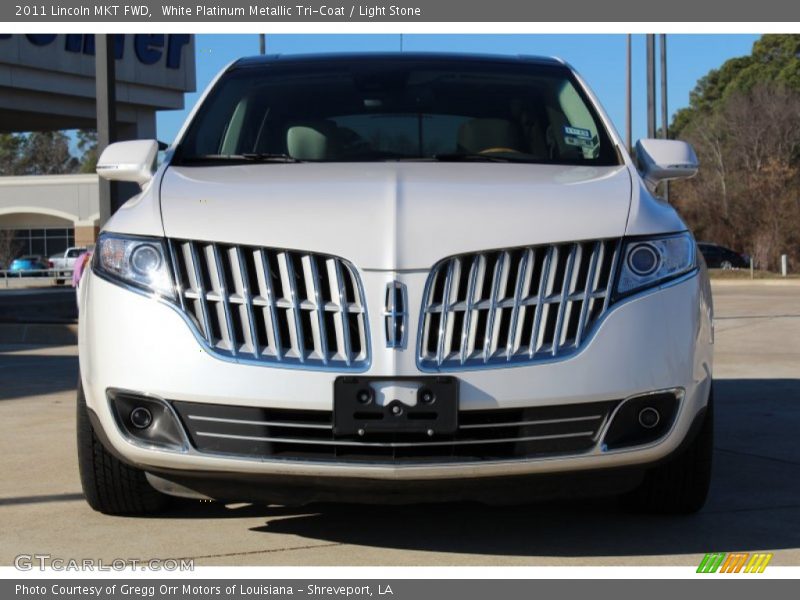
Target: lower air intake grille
514, 306
308, 435
274, 306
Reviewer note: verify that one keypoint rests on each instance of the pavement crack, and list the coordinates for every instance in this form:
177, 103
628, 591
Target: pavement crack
761, 456
267, 551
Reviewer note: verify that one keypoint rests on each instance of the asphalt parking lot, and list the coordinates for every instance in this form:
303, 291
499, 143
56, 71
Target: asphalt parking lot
754, 503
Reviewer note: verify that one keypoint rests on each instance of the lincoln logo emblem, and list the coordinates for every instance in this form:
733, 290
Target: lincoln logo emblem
395, 315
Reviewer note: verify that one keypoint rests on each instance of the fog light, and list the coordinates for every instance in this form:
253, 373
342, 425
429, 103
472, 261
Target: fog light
643, 419
146, 419
141, 417
649, 417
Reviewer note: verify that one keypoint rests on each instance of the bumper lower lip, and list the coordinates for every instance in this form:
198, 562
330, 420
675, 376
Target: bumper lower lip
302, 489
157, 461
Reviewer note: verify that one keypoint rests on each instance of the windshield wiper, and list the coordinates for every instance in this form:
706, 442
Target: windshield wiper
245, 157
270, 157
477, 157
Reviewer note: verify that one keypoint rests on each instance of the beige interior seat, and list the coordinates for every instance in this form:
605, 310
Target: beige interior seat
311, 140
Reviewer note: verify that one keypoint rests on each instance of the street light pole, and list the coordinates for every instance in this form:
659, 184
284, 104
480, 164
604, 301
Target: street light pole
664, 111
628, 92
262, 44
106, 109
651, 86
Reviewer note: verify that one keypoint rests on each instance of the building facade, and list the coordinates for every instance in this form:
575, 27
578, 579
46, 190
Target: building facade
47, 83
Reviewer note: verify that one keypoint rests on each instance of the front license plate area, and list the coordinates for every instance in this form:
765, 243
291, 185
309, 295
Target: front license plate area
399, 405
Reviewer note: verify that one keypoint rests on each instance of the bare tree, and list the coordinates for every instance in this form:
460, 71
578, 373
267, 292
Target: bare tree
8, 248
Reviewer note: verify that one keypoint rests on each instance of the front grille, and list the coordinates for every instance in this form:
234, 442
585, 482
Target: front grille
308, 435
515, 305
271, 305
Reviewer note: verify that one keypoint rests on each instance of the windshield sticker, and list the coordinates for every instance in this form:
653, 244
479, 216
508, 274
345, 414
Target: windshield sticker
582, 139
577, 132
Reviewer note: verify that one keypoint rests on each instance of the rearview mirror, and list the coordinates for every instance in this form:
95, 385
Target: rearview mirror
128, 161
660, 160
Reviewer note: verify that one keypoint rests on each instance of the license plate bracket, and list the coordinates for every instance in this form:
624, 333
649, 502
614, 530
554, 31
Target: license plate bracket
395, 405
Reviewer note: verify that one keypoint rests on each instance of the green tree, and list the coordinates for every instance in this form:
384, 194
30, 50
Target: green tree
744, 122
87, 144
47, 153
10, 149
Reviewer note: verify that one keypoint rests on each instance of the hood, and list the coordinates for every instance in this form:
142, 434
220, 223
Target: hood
394, 216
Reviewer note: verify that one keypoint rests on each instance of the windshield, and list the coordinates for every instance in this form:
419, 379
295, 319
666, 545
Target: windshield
392, 109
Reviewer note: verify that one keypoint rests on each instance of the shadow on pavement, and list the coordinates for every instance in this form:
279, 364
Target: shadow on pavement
38, 305
40, 499
34, 375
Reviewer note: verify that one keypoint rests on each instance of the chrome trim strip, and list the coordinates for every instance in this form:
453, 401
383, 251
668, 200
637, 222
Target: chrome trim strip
526, 423
288, 424
313, 442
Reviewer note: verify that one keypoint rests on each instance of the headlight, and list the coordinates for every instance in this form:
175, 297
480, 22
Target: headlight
649, 262
137, 261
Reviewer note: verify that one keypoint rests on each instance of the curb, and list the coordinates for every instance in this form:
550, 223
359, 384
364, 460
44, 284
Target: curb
767, 282
39, 333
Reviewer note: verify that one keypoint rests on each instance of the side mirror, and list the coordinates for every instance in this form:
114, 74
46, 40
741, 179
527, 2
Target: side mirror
128, 161
660, 160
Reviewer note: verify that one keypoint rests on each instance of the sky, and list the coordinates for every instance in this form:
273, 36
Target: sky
600, 59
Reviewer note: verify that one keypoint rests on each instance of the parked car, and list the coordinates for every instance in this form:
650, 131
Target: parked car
65, 261
720, 257
29, 265
396, 278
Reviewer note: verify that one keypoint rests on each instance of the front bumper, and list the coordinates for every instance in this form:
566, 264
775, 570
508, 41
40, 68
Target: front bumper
656, 341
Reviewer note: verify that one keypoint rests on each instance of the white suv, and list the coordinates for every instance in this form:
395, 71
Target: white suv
390, 278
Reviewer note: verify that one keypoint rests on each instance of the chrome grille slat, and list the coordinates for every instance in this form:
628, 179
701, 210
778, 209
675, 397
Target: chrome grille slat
588, 292
317, 325
264, 279
244, 278
288, 281
344, 317
541, 294
201, 292
541, 303
267, 305
467, 340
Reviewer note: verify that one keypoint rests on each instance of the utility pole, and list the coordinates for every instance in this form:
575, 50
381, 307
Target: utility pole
628, 92
664, 111
106, 108
651, 86
262, 44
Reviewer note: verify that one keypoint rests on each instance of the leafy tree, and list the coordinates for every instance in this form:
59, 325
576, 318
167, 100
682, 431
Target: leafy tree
744, 121
10, 147
47, 153
87, 144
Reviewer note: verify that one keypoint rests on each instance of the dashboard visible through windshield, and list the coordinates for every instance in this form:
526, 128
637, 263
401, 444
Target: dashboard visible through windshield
397, 109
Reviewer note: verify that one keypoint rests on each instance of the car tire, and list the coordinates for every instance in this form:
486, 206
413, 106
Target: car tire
726, 265
109, 485
680, 486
